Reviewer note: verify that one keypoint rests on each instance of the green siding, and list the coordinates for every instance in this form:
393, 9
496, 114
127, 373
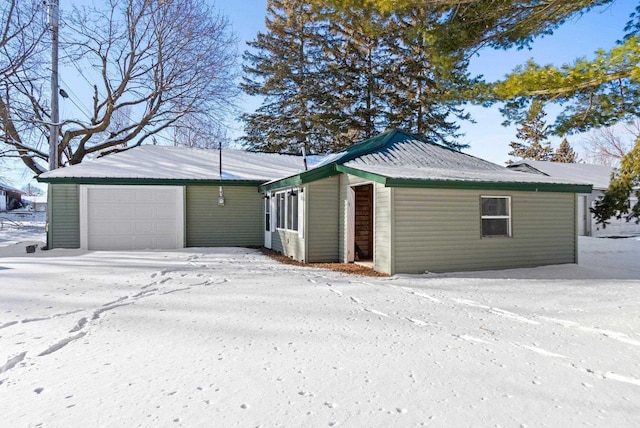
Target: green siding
64, 229
289, 243
382, 259
322, 220
438, 230
383, 229
237, 223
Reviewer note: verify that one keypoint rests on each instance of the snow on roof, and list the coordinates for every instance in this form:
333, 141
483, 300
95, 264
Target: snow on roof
596, 175
412, 158
8, 188
183, 163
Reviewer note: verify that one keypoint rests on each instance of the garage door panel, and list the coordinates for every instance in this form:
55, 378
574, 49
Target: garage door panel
165, 227
134, 218
122, 227
144, 211
142, 228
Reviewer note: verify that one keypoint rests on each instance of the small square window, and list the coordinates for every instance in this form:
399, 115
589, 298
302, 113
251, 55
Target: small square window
495, 216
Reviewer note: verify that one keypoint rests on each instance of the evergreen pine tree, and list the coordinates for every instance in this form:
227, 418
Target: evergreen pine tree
564, 153
358, 63
533, 134
286, 67
331, 78
424, 88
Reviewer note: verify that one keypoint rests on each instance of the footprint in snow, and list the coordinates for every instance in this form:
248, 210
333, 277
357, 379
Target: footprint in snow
79, 325
541, 351
338, 292
426, 296
470, 338
11, 362
373, 311
512, 316
470, 303
417, 321
356, 300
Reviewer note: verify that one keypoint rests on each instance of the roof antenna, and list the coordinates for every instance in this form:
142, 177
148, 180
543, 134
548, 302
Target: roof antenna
220, 192
304, 157
220, 159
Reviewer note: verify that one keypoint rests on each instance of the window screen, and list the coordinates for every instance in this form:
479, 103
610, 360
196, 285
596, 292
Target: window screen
495, 215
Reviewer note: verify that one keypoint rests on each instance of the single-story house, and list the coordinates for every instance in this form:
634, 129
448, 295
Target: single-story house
10, 198
160, 197
396, 201
599, 177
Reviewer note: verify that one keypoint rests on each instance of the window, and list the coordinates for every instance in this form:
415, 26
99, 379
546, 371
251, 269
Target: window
280, 207
287, 210
292, 210
267, 213
495, 215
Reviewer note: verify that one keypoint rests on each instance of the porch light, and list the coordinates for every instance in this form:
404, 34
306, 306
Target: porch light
220, 197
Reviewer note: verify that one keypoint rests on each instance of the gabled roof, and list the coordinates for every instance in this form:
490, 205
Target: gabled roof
169, 164
399, 159
596, 175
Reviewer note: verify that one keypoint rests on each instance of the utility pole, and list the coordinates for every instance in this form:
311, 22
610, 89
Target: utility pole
55, 115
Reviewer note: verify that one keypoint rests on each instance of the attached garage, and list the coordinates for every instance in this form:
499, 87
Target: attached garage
132, 217
162, 197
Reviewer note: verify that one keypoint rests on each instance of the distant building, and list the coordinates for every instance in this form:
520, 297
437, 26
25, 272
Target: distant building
10, 197
599, 177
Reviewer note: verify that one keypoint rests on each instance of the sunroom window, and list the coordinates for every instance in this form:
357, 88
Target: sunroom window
287, 210
495, 216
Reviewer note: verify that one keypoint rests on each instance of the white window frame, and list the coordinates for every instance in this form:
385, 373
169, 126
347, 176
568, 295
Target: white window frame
285, 215
496, 217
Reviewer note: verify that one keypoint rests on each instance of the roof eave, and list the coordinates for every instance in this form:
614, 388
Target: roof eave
138, 181
302, 178
465, 184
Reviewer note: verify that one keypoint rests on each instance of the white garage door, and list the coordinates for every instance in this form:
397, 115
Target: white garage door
133, 217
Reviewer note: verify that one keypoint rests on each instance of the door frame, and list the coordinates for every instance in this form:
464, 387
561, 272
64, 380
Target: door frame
351, 220
267, 224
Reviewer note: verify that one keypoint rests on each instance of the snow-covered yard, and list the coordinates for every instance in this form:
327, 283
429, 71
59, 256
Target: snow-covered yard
228, 337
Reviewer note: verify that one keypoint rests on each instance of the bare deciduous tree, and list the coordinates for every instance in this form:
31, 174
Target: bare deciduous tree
607, 146
153, 64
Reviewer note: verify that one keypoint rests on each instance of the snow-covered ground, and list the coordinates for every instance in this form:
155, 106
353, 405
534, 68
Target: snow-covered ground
228, 337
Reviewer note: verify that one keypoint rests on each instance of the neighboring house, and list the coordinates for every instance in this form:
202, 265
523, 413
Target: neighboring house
38, 203
161, 197
402, 204
599, 177
410, 206
10, 198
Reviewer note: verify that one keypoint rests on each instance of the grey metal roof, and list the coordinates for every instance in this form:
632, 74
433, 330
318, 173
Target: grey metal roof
412, 158
182, 163
596, 175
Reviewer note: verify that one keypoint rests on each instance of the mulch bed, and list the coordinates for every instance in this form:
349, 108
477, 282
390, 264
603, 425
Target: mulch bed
350, 268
